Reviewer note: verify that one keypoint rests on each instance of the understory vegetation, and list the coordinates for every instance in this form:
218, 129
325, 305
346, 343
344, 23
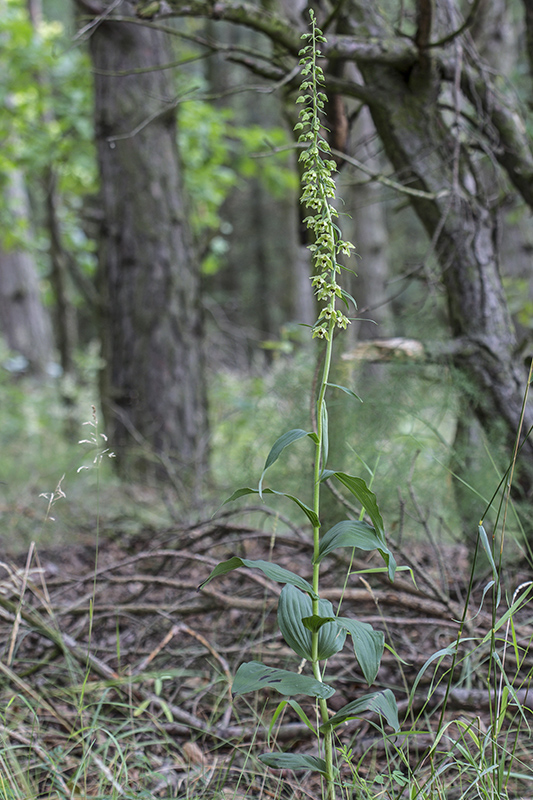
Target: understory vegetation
116, 672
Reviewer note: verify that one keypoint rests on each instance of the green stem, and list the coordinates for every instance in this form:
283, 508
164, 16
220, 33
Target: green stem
317, 196
318, 466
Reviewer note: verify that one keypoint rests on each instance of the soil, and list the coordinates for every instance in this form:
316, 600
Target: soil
127, 619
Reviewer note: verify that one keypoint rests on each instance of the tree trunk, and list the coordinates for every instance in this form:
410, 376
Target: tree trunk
152, 383
437, 151
370, 236
462, 227
23, 319
528, 18
65, 319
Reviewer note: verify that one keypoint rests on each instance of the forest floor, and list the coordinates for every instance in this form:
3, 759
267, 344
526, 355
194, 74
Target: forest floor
116, 672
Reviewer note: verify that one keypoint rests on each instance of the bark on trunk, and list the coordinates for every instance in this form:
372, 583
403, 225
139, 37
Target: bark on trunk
152, 387
370, 237
24, 321
65, 319
528, 18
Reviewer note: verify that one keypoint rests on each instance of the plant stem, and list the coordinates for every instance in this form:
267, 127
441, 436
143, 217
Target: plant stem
318, 466
318, 195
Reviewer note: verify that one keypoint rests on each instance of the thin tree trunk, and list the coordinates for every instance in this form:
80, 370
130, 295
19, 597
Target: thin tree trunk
152, 386
370, 236
64, 317
24, 321
65, 320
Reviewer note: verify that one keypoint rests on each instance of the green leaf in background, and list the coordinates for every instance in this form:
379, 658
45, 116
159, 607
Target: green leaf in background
293, 607
272, 571
294, 761
309, 513
252, 675
382, 703
368, 645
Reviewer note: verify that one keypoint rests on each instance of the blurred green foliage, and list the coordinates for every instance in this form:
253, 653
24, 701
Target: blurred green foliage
218, 155
45, 94
400, 437
46, 97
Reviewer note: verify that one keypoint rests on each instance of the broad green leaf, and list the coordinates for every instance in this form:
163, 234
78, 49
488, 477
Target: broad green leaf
253, 675
278, 446
272, 571
382, 703
310, 514
368, 646
355, 533
314, 623
294, 761
366, 497
293, 607
349, 533
240, 493
345, 390
283, 442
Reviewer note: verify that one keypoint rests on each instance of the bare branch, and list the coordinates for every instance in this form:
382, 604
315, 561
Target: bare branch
511, 145
391, 50
274, 27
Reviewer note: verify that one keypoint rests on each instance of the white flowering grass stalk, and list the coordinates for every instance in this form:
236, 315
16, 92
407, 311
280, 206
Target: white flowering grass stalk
309, 624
